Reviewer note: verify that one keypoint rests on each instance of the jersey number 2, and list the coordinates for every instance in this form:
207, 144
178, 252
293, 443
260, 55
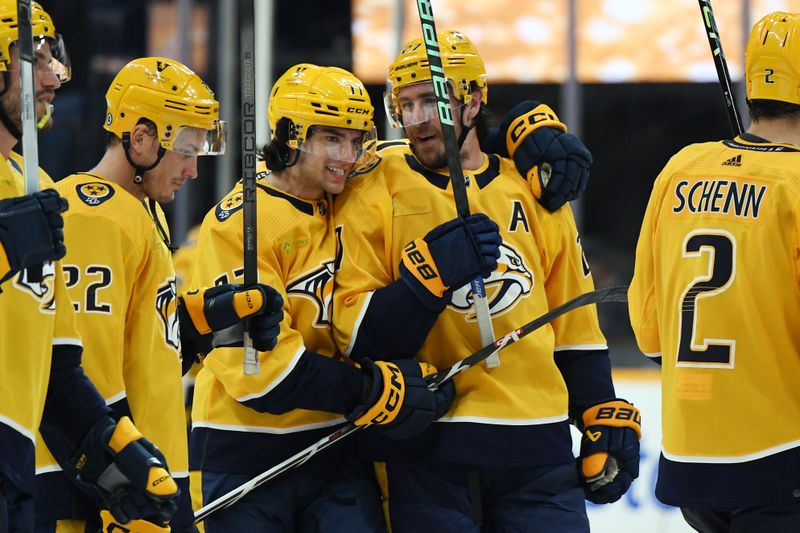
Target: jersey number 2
720, 247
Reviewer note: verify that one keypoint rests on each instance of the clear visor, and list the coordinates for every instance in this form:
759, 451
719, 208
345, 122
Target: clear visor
193, 141
340, 145
409, 112
57, 60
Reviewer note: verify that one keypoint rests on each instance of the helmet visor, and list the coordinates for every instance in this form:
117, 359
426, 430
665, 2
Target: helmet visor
340, 145
59, 61
192, 141
404, 112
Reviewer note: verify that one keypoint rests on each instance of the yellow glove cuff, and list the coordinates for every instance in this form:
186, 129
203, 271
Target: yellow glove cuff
124, 434
418, 260
134, 526
522, 126
194, 301
616, 413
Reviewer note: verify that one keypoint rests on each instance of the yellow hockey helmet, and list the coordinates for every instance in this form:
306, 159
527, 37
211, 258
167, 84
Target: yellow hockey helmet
462, 64
181, 105
310, 95
44, 31
772, 59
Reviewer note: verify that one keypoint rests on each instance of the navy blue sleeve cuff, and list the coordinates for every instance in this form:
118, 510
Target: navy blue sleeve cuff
72, 405
394, 326
317, 382
587, 374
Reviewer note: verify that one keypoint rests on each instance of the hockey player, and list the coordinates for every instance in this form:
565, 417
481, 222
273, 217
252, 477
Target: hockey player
322, 128
714, 299
502, 455
161, 116
40, 350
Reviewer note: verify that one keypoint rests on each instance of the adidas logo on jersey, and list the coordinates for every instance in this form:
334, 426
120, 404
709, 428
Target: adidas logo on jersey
735, 161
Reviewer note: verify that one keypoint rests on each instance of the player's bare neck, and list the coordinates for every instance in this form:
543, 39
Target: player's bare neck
116, 169
7, 142
291, 180
777, 130
471, 155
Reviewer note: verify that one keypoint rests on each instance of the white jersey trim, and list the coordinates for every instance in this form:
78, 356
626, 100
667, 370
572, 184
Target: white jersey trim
732, 459
565, 347
48, 469
18, 428
71, 341
268, 430
357, 324
652, 355
274, 383
179, 473
505, 421
117, 397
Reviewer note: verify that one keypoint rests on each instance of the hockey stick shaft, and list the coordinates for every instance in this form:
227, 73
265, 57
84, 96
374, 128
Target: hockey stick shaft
721, 65
610, 294
251, 364
454, 160
30, 148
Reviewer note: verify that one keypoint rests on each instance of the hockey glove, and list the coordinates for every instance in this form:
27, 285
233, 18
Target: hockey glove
397, 400
449, 256
127, 471
609, 460
213, 317
555, 163
31, 231
111, 525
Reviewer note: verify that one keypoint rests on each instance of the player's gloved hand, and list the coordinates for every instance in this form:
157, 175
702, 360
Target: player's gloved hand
213, 317
555, 163
397, 400
449, 256
111, 525
609, 460
129, 473
31, 231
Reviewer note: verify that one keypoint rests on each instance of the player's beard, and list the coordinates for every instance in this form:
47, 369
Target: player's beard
12, 109
435, 158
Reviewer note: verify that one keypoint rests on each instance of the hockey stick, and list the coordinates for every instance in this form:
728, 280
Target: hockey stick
251, 365
30, 148
454, 162
609, 294
722, 66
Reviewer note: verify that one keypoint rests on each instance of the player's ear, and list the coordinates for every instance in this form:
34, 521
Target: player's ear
141, 138
472, 108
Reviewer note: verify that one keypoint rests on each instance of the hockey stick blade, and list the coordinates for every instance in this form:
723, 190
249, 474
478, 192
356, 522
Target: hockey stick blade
610, 294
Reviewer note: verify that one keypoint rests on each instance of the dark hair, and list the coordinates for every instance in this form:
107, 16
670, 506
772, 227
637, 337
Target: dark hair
112, 139
482, 124
761, 108
277, 153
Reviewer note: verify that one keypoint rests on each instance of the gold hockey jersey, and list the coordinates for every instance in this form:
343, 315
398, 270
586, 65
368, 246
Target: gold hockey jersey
541, 266
296, 252
122, 286
34, 317
716, 294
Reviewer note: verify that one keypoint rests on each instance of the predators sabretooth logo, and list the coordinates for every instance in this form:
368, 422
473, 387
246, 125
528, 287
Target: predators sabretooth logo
317, 286
167, 309
508, 283
43, 291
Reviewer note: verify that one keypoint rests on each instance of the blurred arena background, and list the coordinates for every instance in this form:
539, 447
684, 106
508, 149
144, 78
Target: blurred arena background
633, 78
